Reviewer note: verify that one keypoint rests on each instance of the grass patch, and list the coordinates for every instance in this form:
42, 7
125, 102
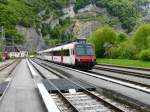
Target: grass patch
124, 62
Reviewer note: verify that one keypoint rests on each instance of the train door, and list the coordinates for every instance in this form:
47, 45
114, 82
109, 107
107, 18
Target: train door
72, 56
52, 55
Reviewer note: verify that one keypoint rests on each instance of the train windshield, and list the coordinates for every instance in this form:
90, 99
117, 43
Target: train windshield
85, 50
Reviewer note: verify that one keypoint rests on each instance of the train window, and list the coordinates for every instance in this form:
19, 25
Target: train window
66, 52
89, 50
84, 50
54, 53
45, 53
80, 50
57, 53
51, 53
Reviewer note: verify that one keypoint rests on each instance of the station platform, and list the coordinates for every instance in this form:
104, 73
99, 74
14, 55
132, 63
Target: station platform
22, 95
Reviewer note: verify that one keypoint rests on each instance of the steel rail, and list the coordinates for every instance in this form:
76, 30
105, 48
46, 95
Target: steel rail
47, 100
123, 83
128, 67
125, 80
60, 93
84, 89
92, 75
9, 83
6, 65
136, 74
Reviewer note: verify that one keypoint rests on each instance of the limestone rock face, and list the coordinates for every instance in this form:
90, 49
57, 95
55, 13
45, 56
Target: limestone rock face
33, 39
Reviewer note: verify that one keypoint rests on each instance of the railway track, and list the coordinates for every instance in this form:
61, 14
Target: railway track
2, 67
138, 72
81, 101
133, 76
137, 86
121, 81
4, 85
126, 67
93, 100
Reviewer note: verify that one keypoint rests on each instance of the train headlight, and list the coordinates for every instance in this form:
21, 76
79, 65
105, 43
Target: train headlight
78, 58
93, 59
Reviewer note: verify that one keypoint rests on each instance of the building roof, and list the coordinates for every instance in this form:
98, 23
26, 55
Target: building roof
11, 49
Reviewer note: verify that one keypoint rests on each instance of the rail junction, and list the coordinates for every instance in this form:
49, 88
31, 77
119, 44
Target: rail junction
28, 85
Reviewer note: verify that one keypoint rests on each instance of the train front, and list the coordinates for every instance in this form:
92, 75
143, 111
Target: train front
85, 56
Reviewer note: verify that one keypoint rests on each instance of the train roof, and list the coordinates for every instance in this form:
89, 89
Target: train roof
64, 46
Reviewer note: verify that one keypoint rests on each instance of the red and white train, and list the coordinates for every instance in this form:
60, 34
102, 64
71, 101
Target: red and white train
78, 54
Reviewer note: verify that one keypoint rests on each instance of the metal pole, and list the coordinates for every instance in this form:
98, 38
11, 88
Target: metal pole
2, 36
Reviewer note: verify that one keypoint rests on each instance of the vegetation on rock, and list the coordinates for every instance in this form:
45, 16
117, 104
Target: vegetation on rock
41, 14
111, 44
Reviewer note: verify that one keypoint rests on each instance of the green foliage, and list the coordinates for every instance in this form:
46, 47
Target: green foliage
61, 32
81, 3
1, 55
25, 13
127, 50
113, 52
16, 12
103, 39
122, 37
128, 11
141, 37
4, 1
124, 62
53, 42
145, 55
13, 36
33, 52
110, 45
125, 10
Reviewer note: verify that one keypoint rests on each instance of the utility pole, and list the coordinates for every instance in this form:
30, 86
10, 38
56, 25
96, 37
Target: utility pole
2, 37
2, 33
13, 44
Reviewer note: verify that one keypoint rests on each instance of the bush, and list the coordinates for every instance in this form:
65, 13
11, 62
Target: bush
145, 55
122, 37
80, 4
127, 50
141, 37
114, 52
13, 35
103, 39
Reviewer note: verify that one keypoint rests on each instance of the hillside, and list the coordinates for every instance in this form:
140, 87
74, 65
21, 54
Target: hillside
62, 20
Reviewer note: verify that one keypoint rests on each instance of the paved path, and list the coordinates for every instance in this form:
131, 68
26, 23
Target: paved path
22, 95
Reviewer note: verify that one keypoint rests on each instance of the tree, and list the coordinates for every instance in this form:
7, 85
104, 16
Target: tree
13, 36
121, 37
145, 55
127, 50
103, 39
141, 37
125, 10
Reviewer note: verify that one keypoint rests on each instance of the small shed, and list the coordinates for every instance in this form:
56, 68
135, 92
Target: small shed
16, 52
12, 51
